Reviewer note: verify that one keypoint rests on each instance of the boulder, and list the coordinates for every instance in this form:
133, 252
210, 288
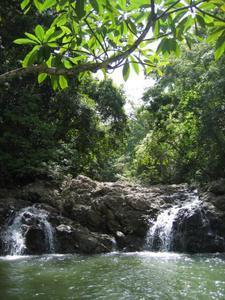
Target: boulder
77, 239
217, 187
196, 232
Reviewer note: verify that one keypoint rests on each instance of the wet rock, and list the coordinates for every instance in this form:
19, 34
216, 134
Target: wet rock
35, 241
88, 215
80, 240
195, 232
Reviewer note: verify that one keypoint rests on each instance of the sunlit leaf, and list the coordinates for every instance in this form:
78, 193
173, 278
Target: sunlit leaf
42, 77
32, 37
25, 41
24, 4
135, 66
38, 5
48, 4
126, 70
31, 57
63, 82
40, 33
214, 35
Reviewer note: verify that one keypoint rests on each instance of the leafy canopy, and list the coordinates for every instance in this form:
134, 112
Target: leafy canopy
88, 35
178, 134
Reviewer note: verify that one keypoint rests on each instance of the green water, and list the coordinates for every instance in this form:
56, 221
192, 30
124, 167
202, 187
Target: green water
143, 275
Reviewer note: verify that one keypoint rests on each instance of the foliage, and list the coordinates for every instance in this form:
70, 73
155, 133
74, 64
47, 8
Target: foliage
43, 131
46, 133
80, 126
88, 35
183, 119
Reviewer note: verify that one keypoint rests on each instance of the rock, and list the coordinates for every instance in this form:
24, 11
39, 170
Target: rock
35, 241
81, 240
64, 228
194, 232
88, 216
217, 187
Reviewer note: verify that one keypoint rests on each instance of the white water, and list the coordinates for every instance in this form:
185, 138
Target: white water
162, 229
14, 236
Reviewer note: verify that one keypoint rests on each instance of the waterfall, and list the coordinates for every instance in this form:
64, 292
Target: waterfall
14, 236
160, 235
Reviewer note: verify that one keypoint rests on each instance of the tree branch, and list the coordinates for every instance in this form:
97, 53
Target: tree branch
116, 59
92, 67
209, 14
95, 35
168, 12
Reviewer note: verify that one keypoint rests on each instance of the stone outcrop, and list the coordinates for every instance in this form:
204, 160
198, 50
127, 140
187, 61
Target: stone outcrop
92, 217
200, 230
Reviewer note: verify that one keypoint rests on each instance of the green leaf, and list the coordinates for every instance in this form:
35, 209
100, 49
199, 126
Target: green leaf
207, 6
49, 32
67, 64
126, 70
65, 29
122, 4
156, 28
42, 77
88, 102
31, 57
40, 33
24, 4
52, 45
177, 49
60, 20
135, 66
161, 46
189, 42
79, 8
95, 5
48, 4
186, 23
54, 36
159, 71
54, 82
214, 35
32, 37
201, 21
63, 82
133, 27
220, 47
168, 46
25, 41
38, 5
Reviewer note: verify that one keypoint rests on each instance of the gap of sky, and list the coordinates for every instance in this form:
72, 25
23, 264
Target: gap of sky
134, 87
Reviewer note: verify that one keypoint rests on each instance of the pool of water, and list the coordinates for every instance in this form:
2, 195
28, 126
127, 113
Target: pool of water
115, 276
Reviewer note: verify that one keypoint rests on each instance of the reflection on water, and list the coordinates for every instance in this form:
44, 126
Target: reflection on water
141, 275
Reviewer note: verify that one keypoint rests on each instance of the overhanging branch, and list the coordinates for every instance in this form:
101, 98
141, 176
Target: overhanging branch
92, 67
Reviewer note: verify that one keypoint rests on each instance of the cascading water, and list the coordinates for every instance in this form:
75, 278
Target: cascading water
160, 235
15, 235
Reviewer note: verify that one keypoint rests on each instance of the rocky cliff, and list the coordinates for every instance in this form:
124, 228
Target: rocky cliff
93, 217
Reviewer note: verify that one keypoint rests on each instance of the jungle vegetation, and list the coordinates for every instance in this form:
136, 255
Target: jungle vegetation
56, 118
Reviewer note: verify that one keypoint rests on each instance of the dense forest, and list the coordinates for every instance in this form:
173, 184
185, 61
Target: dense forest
44, 133
177, 135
